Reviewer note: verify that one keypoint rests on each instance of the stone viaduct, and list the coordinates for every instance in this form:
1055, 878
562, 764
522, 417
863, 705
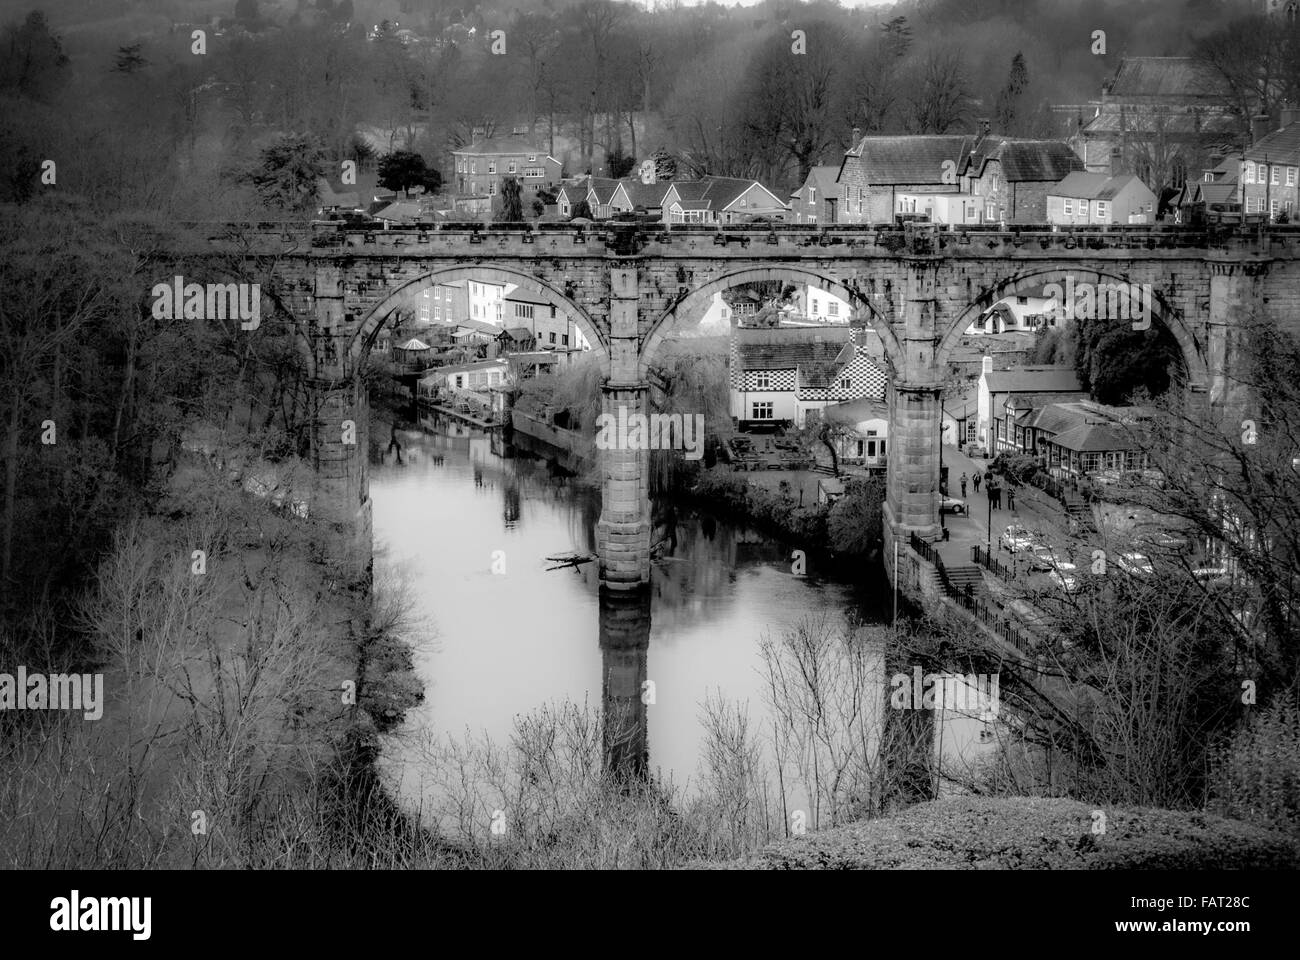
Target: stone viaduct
627, 286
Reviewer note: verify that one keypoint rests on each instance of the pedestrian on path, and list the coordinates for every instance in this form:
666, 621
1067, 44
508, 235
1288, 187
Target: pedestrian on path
1011, 498
977, 481
963, 485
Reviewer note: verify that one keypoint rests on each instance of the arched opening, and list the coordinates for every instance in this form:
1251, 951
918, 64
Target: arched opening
407, 297
687, 309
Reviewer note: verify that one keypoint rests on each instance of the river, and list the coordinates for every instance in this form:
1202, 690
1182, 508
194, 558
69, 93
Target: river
468, 524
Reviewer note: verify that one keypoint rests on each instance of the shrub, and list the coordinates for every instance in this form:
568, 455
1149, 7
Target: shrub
1256, 777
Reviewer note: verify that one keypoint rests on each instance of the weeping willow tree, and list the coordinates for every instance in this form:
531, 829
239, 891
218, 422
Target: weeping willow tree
690, 384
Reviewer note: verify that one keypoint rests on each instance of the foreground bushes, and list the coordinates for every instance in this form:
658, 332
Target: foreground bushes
724, 490
1033, 833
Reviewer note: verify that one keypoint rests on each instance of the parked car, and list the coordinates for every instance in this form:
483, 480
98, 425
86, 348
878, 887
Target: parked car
1063, 576
1043, 557
952, 505
1135, 564
1016, 538
1214, 573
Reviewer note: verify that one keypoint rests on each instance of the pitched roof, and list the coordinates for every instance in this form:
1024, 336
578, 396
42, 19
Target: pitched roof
788, 348
1026, 160
852, 412
437, 372
501, 145
1281, 146
825, 179
1163, 120
714, 193
1224, 192
1092, 437
414, 344
1164, 77
517, 333
1091, 186
604, 188
1043, 380
645, 194
478, 326
910, 159
400, 210
820, 373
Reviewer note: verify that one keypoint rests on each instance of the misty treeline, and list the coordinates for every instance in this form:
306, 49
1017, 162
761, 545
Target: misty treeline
115, 95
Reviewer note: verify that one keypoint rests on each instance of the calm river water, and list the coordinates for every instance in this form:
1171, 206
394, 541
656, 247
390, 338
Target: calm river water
506, 643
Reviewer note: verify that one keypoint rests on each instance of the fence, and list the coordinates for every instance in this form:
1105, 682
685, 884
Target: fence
989, 563
989, 614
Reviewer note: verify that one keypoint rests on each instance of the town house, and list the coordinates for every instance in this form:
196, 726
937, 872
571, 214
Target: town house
1270, 169
481, 167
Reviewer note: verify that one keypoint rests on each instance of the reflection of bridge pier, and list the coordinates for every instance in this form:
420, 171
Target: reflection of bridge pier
624, 643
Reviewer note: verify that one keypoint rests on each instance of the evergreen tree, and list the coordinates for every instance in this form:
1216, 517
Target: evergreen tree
1008, 102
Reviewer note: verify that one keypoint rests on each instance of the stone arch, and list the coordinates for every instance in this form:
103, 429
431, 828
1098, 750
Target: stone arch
696, 302
405, 295
1191, 348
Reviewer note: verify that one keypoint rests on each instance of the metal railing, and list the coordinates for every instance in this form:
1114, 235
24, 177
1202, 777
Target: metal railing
984, 559
989, 614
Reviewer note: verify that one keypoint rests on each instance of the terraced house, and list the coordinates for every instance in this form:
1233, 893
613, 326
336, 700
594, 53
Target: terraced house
780, 374
876, 171
1010, 179
1270, 171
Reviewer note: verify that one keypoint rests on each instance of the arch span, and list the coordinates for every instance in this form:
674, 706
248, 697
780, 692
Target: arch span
406, 296
1192, 350
696, 303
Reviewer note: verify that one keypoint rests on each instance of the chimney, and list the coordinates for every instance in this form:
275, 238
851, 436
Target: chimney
1259, 127
984, 124
857, 135
1290, 114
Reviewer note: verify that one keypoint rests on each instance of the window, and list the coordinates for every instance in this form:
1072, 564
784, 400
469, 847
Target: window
511, 168
473, 166
845, 383
492, 188
437, 313
1083, 208
833, 308
763, 381
552, 336
815, 306
1275, 175
1249, 176
762, 411
882, 448
1291, 176
1102, 211
1069, 208
812, 194
492, 166
564, 339
534, 172
532, 158
524, 310
1273, 207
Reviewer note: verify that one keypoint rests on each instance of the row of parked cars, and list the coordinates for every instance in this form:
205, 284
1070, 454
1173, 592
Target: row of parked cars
1062, 569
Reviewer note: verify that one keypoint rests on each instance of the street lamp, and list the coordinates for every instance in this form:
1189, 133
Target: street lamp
988, 541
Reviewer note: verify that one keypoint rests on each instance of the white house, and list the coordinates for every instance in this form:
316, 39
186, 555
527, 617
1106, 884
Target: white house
486, 301
1094, 198
1022, 313
778, 374
952, 208
480, 375
867, 420
996, 386
720, 200
551, 328
824, 307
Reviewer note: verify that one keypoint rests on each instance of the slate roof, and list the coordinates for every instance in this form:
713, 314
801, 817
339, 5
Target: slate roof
1164, 77
825, 179
1214, 192
1026, 160
1281, 146
852, 412
712, 193
501, 145
1093, 437
908, 159
819, 374
645, 195
1170, 122
1091, 186
1049, 380
604, 188
793, 348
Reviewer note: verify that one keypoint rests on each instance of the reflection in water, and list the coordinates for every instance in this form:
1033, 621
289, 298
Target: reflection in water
624, 644
514, 640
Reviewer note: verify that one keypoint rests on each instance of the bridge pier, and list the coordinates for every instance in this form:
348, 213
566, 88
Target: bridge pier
624, 642
623, 532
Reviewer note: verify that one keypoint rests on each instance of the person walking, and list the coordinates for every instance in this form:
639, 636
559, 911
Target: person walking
977, 481
963, 485
1011, 498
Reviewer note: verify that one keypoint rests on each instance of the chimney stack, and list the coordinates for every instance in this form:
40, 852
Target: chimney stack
985, 125
857, 135
1290, 114
1259, 127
